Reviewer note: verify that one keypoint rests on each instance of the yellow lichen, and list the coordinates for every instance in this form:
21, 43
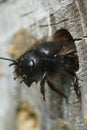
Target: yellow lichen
27, 118
22, 41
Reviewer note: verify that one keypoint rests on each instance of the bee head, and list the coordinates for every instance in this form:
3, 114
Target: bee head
23, 68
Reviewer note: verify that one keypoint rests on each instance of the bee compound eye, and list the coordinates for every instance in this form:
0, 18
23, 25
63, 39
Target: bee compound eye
31, 63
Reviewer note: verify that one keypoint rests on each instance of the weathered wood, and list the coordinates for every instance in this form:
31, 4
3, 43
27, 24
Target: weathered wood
30, 14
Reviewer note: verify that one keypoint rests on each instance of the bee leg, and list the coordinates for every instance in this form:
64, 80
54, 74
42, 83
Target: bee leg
42, 89
76, 88
52, 87
21, 81
75, 82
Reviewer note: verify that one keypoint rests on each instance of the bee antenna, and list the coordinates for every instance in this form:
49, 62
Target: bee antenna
8, 60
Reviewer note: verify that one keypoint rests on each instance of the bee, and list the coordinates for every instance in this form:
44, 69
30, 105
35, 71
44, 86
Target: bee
44, 60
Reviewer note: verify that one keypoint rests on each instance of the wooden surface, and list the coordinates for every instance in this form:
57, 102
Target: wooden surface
30, 14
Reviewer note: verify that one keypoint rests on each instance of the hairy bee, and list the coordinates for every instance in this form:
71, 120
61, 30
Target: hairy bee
44, 60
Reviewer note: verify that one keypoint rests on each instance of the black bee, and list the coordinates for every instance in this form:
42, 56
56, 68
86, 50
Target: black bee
44, 60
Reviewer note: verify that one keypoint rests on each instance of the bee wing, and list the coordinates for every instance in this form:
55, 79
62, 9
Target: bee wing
68, 49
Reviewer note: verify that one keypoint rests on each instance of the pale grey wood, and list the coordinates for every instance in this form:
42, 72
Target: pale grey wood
29, 14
